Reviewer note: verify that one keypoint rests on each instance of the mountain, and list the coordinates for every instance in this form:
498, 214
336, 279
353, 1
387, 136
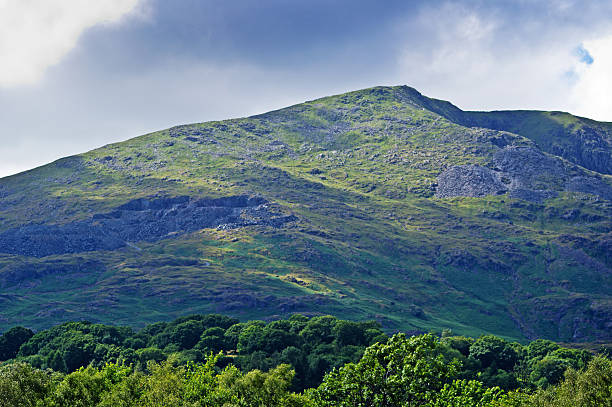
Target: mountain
376, 204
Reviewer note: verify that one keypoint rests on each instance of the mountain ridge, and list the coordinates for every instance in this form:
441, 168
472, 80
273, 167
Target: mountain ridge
360, 175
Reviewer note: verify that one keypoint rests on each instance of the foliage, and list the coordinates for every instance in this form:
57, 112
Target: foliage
469, 393
11, 341
21, 385
402, 371
312, 346
589, 388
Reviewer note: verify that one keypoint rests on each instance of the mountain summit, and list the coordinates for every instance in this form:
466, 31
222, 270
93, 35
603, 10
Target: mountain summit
376, 204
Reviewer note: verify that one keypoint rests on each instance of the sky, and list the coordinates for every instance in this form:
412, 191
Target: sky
77, 74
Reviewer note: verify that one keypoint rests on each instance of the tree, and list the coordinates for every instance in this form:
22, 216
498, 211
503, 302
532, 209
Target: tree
212, 339
11, 341
460, 343
259, 389
548, 370
275, 340
490, 349
251, 337
82, 388
319, 330
540, 348
125, 393
468, 393
165, 386
590, 388
21, 385
149, 354
577, 358
78, 352
186, 334
348, 333
403, 372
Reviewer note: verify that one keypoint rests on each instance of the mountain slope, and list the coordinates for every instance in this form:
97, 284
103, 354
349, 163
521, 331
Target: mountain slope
379, 203
582, 141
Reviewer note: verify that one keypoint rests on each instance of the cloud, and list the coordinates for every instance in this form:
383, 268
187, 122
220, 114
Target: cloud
491, 57
590, 94
473, 59
189, 60
35, 34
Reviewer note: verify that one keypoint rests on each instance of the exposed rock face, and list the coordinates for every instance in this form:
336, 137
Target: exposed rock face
529, 168
591, 149
139, 220
590, 185
469, 180
525, 172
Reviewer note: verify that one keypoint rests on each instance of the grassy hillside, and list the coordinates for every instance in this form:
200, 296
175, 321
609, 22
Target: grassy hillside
392, 209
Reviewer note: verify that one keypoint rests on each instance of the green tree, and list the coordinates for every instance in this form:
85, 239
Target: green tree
589, 388
490, 349
186, 334
126, 393
164, 386
212, 340
548, 370
251, 337
82, 388
259, 389
403, 372
202, 382
21, 385
319, 330
577, 358
540, 348
468, 393
348, 333
460, 343
11, 341
149, 354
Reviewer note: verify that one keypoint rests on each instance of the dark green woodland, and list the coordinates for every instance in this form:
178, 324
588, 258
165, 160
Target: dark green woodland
214, 360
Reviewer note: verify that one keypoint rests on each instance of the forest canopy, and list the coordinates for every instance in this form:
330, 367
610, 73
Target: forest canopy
215, 360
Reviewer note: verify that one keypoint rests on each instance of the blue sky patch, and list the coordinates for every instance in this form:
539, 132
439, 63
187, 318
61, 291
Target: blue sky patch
583, 55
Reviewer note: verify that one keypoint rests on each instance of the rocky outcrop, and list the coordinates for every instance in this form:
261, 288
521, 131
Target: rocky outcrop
590, 185
529, 168
469, 180
139, 220
524, 172
590, 147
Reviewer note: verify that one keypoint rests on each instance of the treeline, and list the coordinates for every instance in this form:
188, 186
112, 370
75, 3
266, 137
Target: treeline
312, 346
213, 360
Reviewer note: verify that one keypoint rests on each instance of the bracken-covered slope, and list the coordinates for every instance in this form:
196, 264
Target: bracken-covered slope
377, 204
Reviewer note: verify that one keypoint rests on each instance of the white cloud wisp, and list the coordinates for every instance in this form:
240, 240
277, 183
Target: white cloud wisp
480, 60
35, 34
590, 96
